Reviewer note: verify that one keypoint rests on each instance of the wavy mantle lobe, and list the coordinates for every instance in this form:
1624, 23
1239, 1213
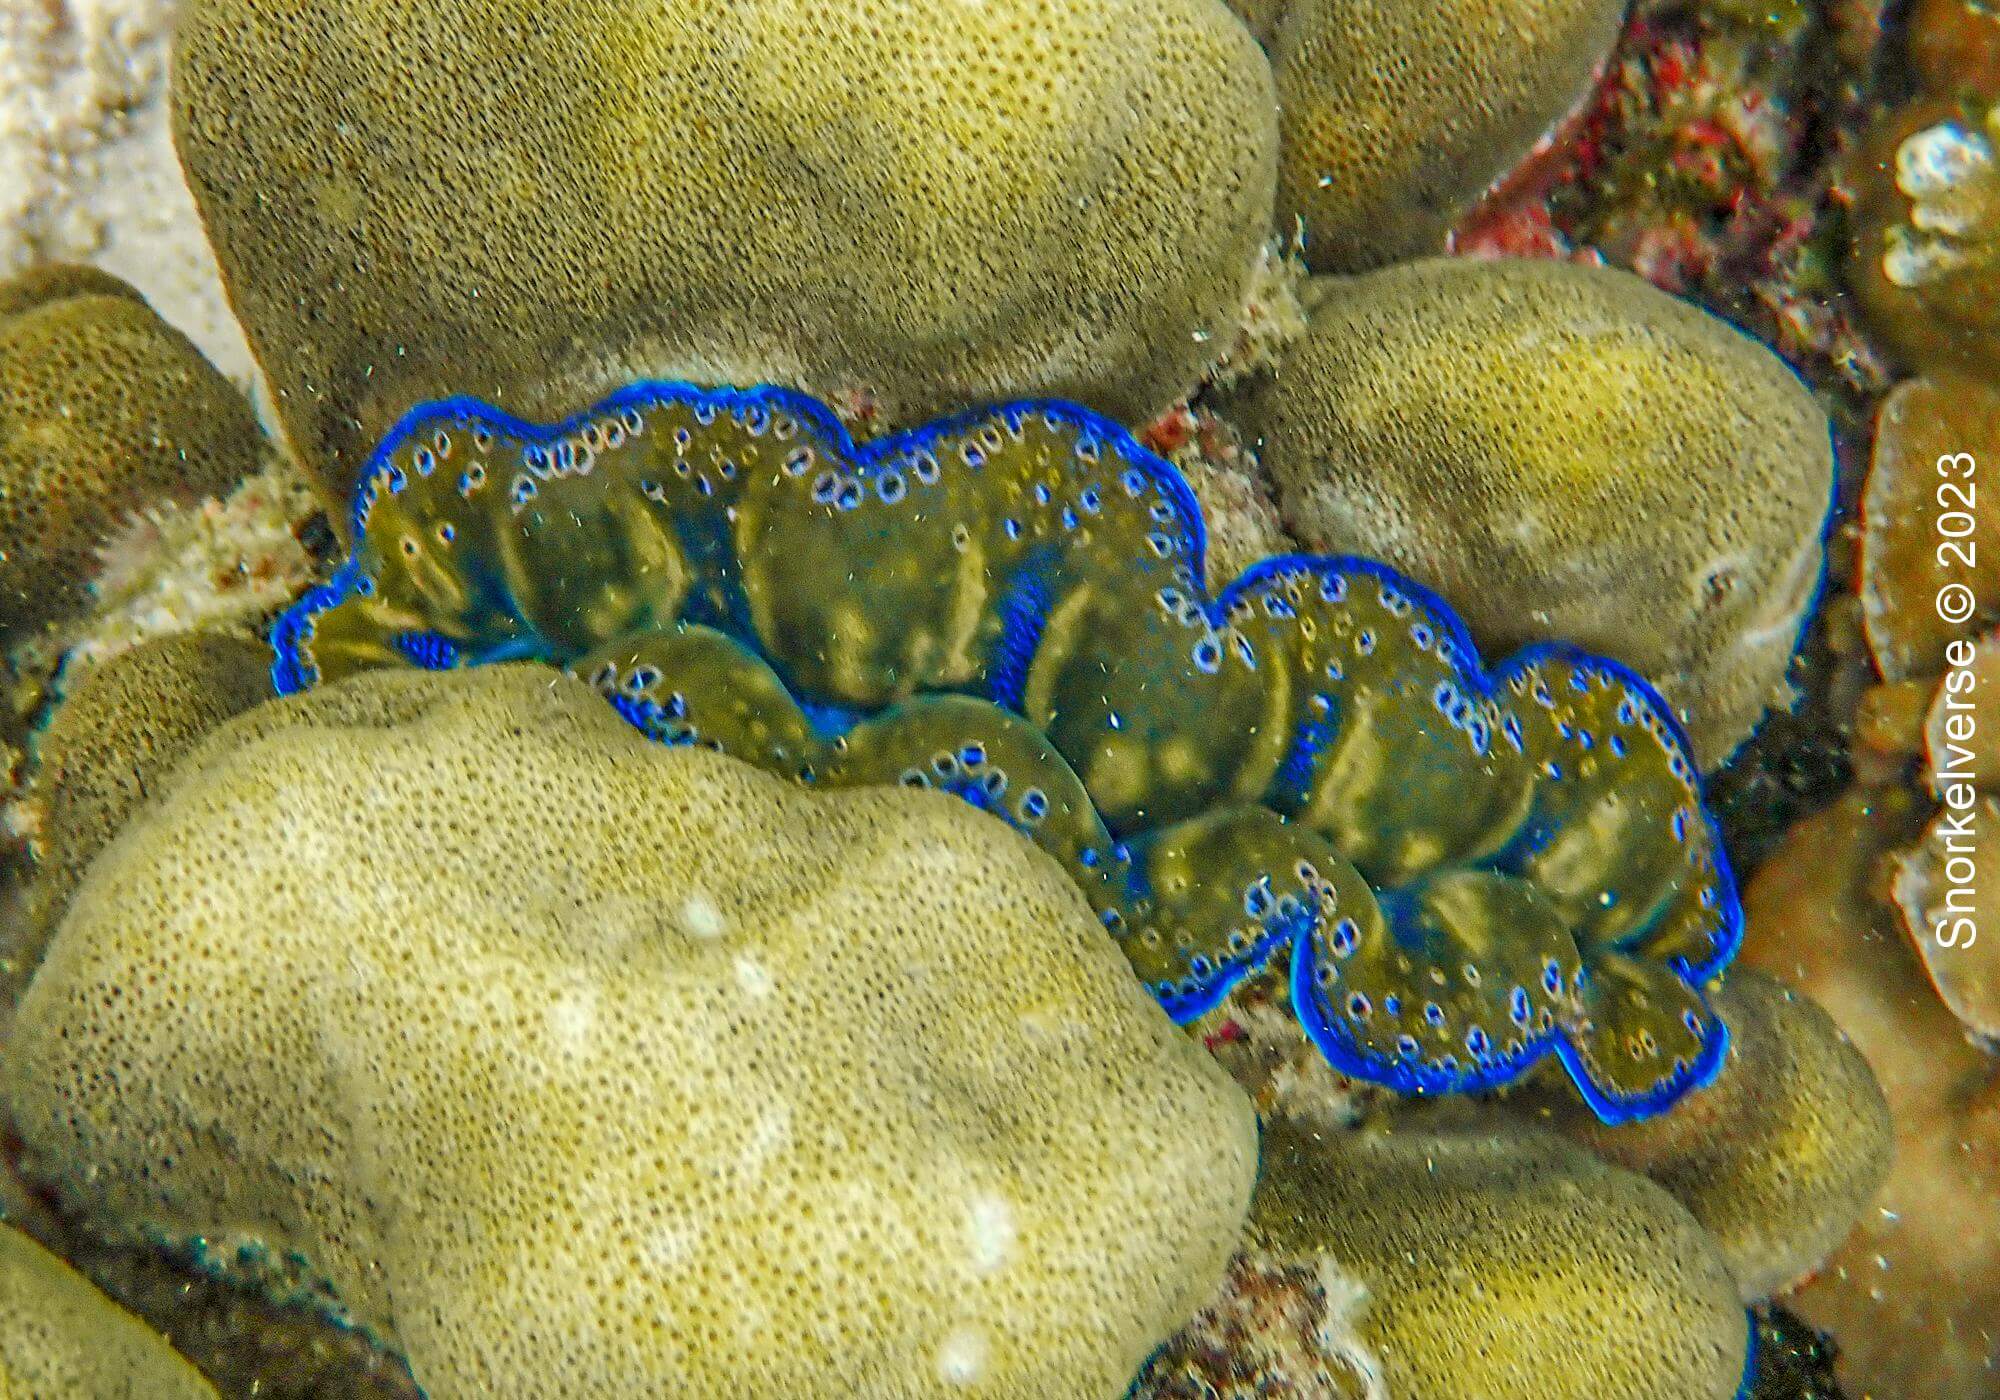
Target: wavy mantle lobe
1471, 868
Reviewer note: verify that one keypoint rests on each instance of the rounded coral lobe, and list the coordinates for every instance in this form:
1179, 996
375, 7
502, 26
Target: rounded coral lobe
678, 1079
1395, 117
104, 409
60, 1336
898, 206
1781, 1155
1566, 451
1497, 1260
1469, 869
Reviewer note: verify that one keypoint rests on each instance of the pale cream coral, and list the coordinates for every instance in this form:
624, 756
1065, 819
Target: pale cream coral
1565, 452
225, 563
221, 564
901, 208
1930, 531
60, 1339
581, 1065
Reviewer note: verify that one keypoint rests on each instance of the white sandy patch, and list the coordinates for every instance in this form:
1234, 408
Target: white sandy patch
87, 166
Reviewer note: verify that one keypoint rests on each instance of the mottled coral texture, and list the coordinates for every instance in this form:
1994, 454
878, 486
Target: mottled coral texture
1924, 234
104, 409
1780, 1157
900, 207
580, 1066
1564, 451
1499, 1262
112, 743
1395, 117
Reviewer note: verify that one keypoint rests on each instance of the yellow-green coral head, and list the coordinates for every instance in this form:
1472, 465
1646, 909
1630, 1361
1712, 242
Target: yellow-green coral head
1779, 1157
1394, 117
901, 207
1495, 1261
1566, 451
104, 410
1471, 869
121, 728
573, 1065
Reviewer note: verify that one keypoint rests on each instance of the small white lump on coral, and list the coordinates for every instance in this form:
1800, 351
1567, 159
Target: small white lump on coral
576, 1065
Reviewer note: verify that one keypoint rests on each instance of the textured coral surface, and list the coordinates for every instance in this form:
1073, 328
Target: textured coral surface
87, 167
104, 409
1499, 1262
1564, 451
110, 745
909, 206
906, 206
688, 1081
1781, 1156
61, 1338
1395, 117
1925, 255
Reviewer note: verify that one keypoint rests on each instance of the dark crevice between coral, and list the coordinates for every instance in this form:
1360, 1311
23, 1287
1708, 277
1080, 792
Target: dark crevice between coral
1795, 764
247, 1347
1794, 1362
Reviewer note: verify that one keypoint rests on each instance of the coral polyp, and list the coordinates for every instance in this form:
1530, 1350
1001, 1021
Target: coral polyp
1949, 175
1471, 869
1924, 236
